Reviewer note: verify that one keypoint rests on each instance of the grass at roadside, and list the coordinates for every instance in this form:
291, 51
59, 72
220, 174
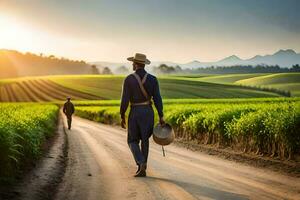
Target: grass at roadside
23, 130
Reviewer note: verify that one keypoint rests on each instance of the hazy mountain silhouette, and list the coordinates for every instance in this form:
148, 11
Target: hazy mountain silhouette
283, 58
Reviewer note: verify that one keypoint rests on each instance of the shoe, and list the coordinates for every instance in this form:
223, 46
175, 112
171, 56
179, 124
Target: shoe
138, 169
142, 171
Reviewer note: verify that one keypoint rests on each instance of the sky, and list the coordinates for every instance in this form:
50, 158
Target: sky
165, 30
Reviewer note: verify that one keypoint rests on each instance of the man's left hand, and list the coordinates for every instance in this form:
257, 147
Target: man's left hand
123, 123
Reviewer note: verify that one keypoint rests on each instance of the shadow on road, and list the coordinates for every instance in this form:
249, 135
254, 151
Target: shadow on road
200, 190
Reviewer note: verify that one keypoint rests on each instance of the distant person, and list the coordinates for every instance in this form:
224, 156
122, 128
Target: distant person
139, 89
69, 110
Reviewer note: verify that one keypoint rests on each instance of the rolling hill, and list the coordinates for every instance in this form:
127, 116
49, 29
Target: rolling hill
283, 81
229, 78
93, 87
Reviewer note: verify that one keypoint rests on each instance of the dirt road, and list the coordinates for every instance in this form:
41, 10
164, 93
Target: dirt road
100, 166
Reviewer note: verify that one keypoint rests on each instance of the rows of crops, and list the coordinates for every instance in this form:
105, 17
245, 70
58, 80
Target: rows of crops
271, 128
109, 87
23, 129
37, 90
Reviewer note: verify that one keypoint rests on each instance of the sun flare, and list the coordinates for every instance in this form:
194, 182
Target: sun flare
14, 35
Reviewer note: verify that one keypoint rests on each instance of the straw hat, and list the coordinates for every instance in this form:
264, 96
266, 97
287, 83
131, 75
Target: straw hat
139, 58
163, 135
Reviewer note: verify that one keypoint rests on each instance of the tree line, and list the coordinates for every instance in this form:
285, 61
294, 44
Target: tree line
17, 64
236, 69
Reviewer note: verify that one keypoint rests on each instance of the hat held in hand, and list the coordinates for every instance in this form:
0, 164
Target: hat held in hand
163, 134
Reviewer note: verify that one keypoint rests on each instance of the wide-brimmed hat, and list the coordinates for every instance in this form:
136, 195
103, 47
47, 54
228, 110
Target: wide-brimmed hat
139, 58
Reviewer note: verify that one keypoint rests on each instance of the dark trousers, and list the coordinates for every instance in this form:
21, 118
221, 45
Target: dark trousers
69, 119
140, 128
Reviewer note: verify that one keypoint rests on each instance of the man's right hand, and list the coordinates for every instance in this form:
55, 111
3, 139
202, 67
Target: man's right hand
162, 121
123, 123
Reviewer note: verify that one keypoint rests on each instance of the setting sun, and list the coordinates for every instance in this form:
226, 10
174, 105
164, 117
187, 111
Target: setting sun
15, 35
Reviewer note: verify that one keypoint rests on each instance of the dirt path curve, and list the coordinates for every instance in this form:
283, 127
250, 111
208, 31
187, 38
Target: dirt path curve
100, 166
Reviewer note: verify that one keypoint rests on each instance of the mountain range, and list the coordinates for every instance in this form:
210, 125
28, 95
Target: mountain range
284, 58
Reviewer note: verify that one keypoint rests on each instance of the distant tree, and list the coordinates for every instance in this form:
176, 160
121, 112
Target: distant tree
178, 69
122, 70
296, 68
52, 57
106, 70
95, 70
165, 69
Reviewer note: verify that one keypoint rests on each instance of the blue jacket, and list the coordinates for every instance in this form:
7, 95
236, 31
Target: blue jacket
132, 92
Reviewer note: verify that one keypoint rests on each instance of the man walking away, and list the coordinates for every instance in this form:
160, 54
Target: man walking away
69, 110
139, 89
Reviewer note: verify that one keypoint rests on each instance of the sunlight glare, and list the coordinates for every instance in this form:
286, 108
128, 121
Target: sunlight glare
13, 34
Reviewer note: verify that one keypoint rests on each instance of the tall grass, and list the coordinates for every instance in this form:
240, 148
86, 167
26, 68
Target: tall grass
23, 129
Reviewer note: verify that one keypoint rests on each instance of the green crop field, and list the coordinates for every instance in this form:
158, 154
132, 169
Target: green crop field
38, 89
93, 87
264, 81
267, 126
109, 87
228, 78
23, 129
283, 81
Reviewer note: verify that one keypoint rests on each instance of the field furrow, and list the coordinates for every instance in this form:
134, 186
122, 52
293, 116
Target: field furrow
22, 95
3, 94
28, 92
80, 95
39, 94
61, 93
18, 93
10, 93
55, 95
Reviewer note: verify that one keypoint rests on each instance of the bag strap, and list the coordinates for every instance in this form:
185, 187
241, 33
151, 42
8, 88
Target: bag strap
141, 82
144, 78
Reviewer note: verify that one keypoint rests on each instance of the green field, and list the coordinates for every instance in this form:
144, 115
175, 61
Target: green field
109, 87
229, 78
264, 126
94, 87
283, 81
23, 129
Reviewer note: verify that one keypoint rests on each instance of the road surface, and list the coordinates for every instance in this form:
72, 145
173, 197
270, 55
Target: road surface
100, 166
